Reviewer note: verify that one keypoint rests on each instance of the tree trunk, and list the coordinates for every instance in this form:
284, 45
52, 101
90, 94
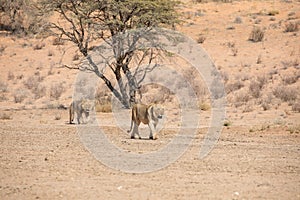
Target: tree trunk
115, 92
133, 86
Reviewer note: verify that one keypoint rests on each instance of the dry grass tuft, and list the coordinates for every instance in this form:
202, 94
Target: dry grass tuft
56, 90
5, 116
20, 95
286, 93
296, 106
291, 27
257, 34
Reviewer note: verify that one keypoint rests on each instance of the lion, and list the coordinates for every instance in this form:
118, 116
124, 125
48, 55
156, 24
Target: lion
79, 107
148, 114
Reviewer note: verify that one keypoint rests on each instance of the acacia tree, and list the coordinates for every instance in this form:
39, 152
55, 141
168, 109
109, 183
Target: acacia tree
85, 21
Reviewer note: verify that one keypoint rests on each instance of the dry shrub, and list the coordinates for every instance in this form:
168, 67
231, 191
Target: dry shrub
273, 12
291, 27
257, 34
57, 116
266, 101
5, 116
56, 90
10, 76
238, 20
103, 100
296, 106
231, 87
224, 76
3, 87
20, 95
286, 93
201, 38
3, 97
32, 82
105, 108
58, 41
241, 98
204, 106
291, 78
39, 46
255, 89
40, 91
2, 49
256, 85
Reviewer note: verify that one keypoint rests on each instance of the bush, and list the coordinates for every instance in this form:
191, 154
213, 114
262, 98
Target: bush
230, 87
5, 116
256, 35
19, 95
296, 106
291, 27
58, 41
10, 76
201, 38
56, 90
238, 20
40, 91
285, 93
291, 78
32, 82
2, 49
39, 46
19, 16
3, 87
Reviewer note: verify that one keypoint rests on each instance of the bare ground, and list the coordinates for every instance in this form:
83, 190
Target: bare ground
42, 159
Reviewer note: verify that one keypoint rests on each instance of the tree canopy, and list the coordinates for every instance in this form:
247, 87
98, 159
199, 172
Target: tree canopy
85, 21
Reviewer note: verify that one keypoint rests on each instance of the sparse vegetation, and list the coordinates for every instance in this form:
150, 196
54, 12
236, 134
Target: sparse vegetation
3, 97
56, 90
296, 106
294, 129
273, 12
57, 116
19, 16
5, 116
204, 106
2, 49
241, 98
201, 38
39, 91
39, 46
10, 76
238, 20
286, 93
3, 86
257, 34
227, 123
20, 95
231, 87
58, 41
291, 26
290, 78
32, 82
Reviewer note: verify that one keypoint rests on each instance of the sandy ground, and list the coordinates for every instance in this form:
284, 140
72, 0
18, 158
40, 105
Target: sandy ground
45, 159
256, 156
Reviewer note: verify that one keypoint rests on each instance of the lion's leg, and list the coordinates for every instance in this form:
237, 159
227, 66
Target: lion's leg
71, 112
78, 116
135, 130
152, 126
85, 120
